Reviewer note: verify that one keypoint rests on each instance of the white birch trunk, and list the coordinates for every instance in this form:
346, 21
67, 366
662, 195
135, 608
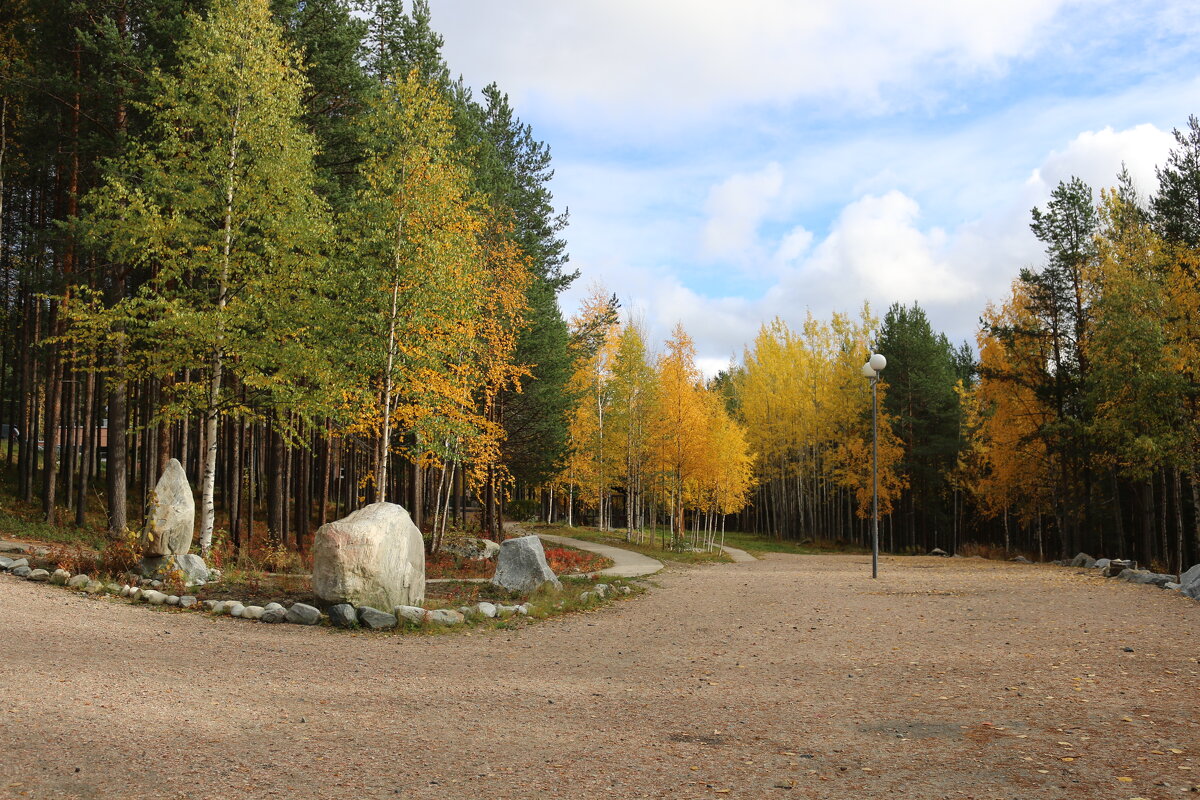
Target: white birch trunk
216, 366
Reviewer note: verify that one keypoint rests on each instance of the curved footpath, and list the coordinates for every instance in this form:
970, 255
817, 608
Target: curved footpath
626, 563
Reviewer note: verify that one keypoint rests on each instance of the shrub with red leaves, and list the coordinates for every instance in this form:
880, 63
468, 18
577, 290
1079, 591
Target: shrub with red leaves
565, 562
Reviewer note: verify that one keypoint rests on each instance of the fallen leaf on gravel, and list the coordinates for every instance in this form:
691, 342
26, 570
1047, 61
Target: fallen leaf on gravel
1175, 750
1123, 779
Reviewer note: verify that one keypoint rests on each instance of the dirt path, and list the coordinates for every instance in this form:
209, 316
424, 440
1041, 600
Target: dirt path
946, 678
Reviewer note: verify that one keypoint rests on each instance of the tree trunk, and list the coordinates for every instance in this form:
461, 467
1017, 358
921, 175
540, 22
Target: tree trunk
53, 412
89, 444
275, 502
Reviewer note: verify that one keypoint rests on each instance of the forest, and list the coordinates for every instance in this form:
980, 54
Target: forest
281, 242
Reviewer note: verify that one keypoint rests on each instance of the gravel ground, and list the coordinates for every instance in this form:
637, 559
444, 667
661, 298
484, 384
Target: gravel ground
790, 677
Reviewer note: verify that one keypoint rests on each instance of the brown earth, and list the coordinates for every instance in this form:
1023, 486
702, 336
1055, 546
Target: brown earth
794, 677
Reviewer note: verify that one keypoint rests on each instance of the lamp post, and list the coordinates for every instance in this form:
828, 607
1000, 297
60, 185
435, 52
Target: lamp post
871, 370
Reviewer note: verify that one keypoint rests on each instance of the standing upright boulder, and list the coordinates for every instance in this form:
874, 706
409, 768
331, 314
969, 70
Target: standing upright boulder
374, 557
169, 530
521, 566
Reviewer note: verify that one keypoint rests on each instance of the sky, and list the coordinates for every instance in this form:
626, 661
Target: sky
728, 163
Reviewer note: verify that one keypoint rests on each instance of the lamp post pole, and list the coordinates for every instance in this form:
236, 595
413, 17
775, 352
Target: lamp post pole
875, 477
871, 369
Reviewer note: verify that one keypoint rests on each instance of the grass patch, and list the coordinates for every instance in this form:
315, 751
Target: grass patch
21, 521
754, 543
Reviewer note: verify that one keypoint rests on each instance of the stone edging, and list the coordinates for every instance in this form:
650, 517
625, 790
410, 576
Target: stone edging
342, 615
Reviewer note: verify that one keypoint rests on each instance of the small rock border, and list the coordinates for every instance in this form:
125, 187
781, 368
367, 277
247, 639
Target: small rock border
343, 615
1127, 570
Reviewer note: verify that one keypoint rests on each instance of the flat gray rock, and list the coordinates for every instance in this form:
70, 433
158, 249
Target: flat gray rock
1083, 560
375, 619
154, 597
274, 615
5, 562
12, 547
471, 547
485, 608
274, 607
94, 587
195, 572
78, 581
253, 612
21, 571
234, 609
303, 614
187, 601
414, 614
444, 616
521, 566
17, 564
343, 615
172, 515
173, 600
1116, 566
39, 575
1144, 576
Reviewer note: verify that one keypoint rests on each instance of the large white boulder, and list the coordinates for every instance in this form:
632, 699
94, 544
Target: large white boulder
168, 532
521, 566
374, 557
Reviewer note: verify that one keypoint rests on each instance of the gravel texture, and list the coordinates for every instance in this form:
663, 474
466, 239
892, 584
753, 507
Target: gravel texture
789, 677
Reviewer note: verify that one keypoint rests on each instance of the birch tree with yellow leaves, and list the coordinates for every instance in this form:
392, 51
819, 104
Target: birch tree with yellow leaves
806, 410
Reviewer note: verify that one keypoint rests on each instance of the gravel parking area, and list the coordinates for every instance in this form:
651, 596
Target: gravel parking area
794, 676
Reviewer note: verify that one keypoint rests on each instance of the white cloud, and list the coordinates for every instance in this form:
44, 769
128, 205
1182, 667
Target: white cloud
793, 245
735, 209
1096, 158
876, 251
689, 56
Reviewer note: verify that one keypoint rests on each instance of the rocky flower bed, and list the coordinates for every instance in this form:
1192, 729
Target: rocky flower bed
296, 612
